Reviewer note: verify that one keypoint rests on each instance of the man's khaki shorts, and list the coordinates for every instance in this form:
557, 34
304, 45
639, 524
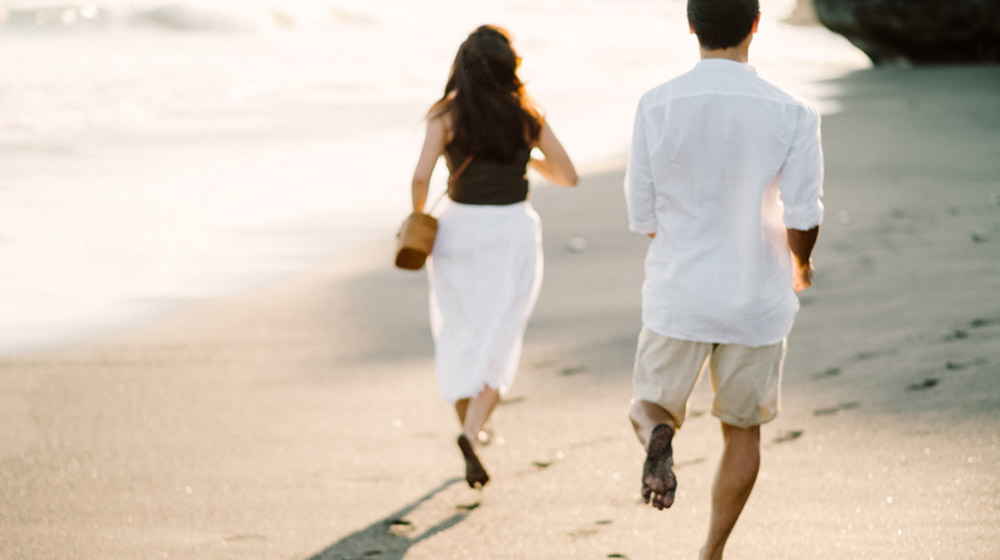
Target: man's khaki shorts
746, 380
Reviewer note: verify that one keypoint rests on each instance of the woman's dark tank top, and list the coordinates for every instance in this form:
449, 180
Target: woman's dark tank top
487, 181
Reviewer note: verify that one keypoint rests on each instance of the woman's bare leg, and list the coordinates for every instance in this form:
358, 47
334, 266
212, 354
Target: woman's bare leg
461, 406
474, 413
485, 434
478, 411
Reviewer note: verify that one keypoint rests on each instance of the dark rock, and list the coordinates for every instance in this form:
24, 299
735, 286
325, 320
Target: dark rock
917, 31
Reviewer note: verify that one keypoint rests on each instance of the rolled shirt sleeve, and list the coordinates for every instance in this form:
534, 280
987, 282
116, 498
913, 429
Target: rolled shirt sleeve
640, 198
800, 180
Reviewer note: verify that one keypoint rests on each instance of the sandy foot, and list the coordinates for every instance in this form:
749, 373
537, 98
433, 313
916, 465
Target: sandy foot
658, 480
475, 474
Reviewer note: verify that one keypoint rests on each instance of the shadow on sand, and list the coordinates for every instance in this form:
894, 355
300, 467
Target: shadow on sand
386, 539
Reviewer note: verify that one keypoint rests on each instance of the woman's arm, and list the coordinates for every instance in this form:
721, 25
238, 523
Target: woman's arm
434, 143
556, 166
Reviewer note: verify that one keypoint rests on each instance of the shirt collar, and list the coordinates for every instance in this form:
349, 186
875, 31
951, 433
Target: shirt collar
723, 63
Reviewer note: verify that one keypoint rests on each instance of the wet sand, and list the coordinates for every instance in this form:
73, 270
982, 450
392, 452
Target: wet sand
302, 421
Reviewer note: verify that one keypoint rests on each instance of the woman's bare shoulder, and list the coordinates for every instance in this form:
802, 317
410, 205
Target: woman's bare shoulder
444, 123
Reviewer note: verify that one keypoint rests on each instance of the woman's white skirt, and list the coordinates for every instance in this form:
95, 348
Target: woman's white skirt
485, 273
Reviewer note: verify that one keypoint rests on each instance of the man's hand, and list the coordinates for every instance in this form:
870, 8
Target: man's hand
802, 274
801, 244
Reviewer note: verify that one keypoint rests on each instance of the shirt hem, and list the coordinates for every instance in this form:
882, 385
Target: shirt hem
714, 340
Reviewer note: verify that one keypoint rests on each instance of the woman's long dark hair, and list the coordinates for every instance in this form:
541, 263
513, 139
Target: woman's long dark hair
491, 114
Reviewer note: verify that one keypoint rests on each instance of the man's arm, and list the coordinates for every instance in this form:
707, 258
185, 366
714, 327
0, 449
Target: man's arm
640, 198
801, 244
800, 183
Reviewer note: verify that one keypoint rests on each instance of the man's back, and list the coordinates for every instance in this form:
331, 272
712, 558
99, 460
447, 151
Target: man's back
713, 151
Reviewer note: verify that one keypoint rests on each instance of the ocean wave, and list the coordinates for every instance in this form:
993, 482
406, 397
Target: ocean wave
188, 17
204, 16
54, 16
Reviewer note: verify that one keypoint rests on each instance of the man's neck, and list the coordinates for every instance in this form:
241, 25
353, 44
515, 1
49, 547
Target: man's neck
738, 53
724, 54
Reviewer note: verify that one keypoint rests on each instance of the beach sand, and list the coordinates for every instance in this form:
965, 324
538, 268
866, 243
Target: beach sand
302, 421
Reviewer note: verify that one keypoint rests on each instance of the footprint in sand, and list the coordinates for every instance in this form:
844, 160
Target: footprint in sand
788, 435
950, 365
580, 533
957, 334
512, 400
587, 531
978, 323
983, 322
400, 527
244, 537
923, 385
836, 409
829, 372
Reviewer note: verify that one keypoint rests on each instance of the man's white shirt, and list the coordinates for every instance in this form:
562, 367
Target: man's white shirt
722, 161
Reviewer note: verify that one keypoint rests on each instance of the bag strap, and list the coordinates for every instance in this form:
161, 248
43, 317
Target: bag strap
452, 179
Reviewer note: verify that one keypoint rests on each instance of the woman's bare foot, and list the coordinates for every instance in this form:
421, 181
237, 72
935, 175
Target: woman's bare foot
475, 474
486, 435
658, 480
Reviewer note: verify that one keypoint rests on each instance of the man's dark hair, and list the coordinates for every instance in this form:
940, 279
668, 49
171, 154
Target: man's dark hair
720, 24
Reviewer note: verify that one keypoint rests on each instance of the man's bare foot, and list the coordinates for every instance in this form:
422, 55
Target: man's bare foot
658, 480
475, 474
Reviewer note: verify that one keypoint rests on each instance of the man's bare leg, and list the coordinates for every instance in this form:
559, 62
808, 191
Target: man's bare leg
474, 413
655, 428
733, 483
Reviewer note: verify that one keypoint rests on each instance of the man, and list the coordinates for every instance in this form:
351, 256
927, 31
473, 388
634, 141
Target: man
725, 174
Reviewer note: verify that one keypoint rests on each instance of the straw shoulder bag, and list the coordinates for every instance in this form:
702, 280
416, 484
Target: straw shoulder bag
415, 239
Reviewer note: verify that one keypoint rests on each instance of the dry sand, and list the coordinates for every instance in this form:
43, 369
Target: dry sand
302, 421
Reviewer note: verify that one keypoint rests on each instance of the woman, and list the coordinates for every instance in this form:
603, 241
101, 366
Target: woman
486, 267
